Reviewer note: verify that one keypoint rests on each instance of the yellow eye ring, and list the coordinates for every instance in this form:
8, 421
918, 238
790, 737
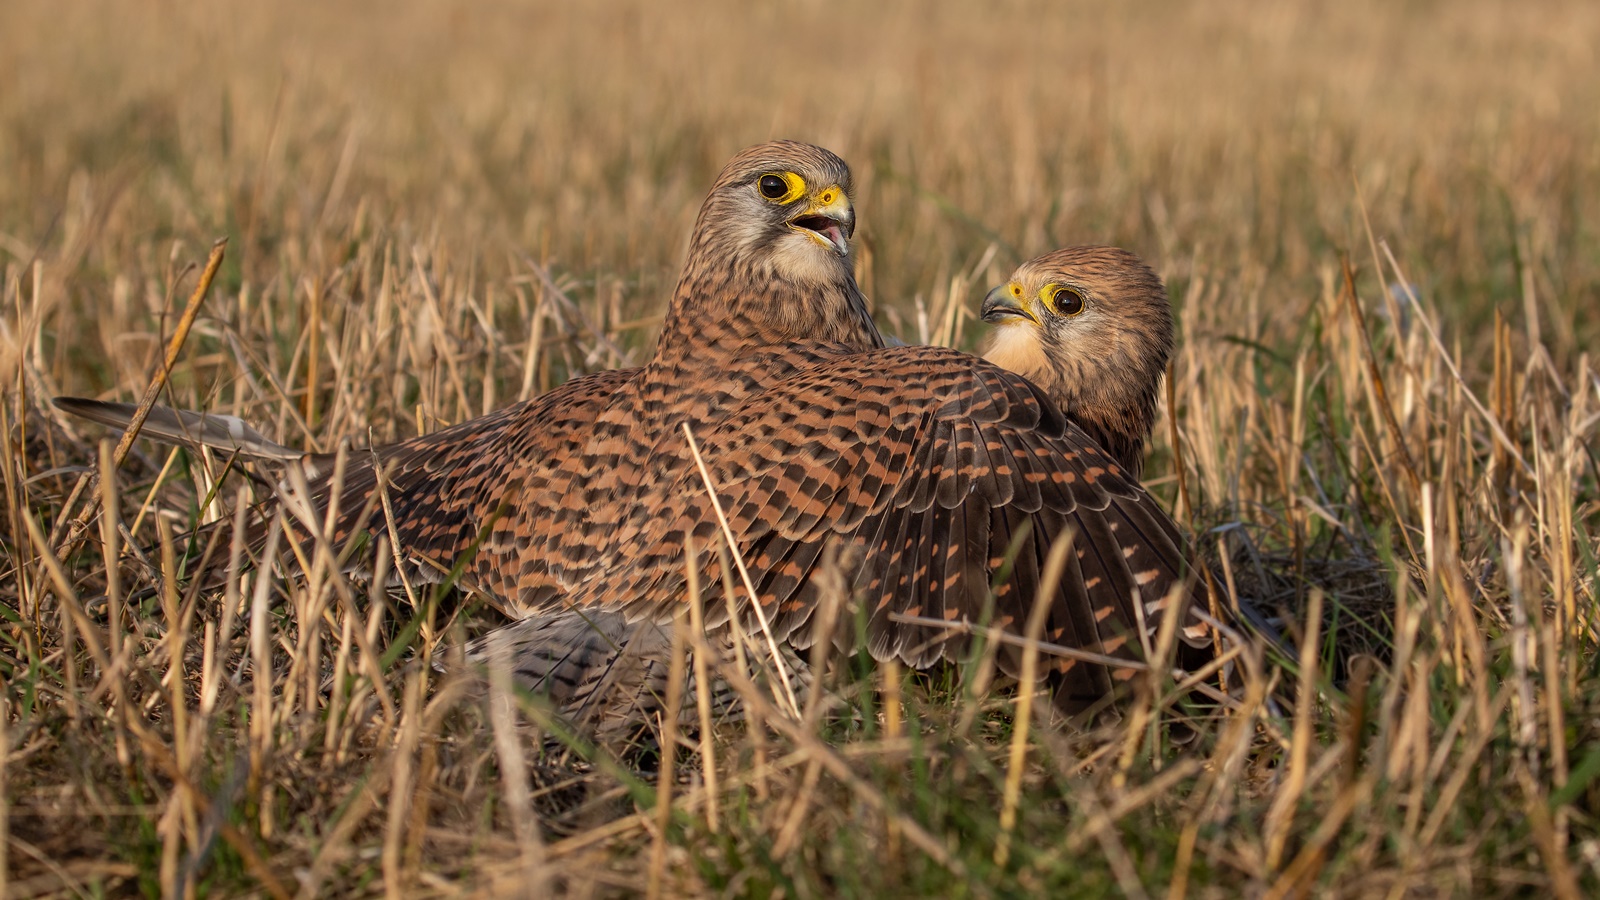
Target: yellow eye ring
1062, 300
780, 187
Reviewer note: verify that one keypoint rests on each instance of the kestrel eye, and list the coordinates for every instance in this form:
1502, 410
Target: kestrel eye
772, 187
1067, 302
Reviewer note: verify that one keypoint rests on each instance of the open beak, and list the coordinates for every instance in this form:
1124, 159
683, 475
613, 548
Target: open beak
1001, 304
831, 223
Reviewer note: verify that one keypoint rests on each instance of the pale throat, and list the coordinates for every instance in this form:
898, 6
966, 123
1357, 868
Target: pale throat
1014, 346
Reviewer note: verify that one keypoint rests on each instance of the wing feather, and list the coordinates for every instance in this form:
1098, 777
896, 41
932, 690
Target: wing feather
931, 465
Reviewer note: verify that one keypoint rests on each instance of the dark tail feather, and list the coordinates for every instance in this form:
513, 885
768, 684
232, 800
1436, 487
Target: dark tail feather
228, 434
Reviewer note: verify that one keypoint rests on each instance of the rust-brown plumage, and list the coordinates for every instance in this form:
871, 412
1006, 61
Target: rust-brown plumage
931, 471
1098, 354
929, 468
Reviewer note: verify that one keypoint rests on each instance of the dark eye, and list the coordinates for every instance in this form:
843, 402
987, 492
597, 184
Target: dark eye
1067, 302
772, 187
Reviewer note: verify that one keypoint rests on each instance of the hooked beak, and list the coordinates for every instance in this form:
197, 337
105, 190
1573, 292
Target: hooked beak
830, 220
1001, 304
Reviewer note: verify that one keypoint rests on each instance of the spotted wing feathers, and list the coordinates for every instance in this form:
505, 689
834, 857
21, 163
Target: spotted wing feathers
939, 477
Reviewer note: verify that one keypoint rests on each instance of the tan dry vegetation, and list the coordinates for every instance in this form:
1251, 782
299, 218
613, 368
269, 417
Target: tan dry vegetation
436, 208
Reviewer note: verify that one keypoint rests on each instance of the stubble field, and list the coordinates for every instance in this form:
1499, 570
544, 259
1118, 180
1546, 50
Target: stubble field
1380, 228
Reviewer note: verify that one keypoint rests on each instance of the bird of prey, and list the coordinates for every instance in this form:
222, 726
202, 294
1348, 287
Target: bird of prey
772, 412
1092, 327
934, 473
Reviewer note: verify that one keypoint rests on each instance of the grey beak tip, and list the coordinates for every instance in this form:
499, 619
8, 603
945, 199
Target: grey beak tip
991, 311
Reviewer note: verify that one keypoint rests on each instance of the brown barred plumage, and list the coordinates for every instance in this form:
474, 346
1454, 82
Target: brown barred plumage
930, 470
927, 466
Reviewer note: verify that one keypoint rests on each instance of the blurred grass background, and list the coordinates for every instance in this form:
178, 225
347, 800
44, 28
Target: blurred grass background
1226, 137
434, 208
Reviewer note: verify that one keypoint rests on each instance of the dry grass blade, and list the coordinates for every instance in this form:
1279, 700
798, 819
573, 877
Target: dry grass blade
837, 767
1375, 376
784, 677
1028, 682
669, 753
1001, 636
1445, 357
822, 641
702, 684
5, 808
1562, 880
1279, 817
513, 771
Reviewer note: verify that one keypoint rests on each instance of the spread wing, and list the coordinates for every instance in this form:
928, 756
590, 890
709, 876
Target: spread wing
445, 488
938, 476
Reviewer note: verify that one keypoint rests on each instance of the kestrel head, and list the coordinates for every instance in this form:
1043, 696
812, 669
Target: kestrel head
773, 240
1093, 328
783, 199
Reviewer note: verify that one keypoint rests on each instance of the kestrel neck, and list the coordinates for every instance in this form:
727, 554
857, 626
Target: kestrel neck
728, 370
1118, 416
717, 315
1123, 440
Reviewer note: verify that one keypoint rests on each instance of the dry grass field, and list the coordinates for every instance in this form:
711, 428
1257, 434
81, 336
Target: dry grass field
1380, 226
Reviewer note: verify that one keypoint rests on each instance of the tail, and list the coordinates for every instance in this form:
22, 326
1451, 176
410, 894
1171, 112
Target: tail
228, 434
606, 675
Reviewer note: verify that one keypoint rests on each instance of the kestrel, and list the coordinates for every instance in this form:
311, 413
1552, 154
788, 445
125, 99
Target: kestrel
934, 475
1092, 326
